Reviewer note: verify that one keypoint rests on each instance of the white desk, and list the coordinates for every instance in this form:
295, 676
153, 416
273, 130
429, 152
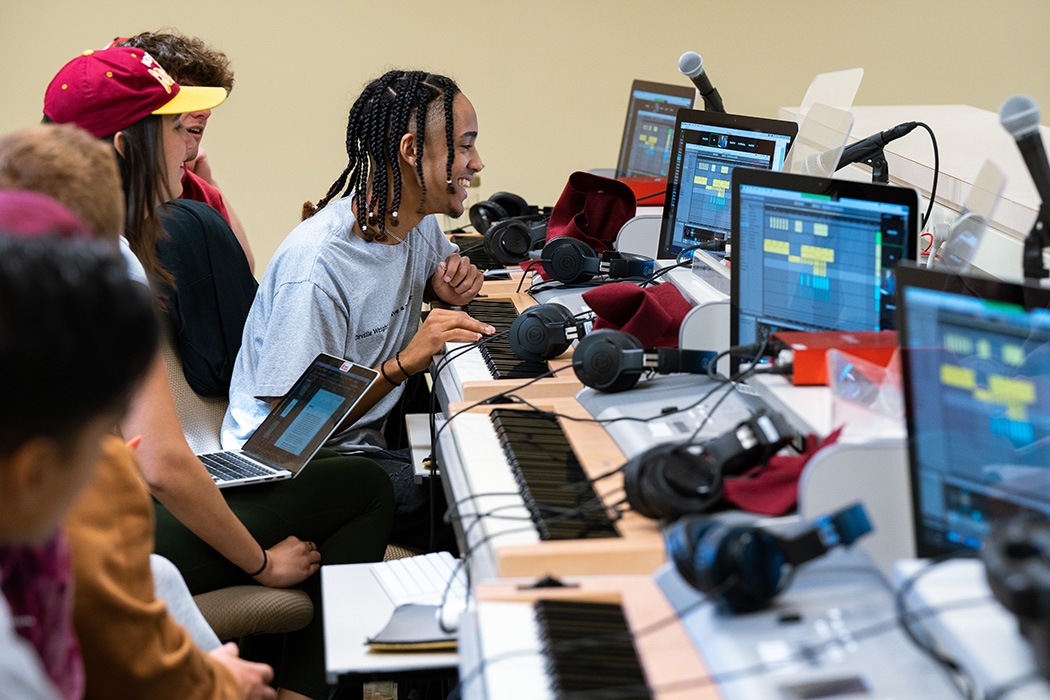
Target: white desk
355, 608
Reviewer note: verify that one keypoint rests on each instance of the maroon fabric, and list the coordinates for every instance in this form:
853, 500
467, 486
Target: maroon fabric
194, 187
774, 489
38, 585
592, 208
653, 315
29, 214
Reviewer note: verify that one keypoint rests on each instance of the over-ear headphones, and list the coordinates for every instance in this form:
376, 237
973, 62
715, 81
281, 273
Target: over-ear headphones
675, 479
746, 566
571, 261
545, 331
612, 361
511, 226
1016, 554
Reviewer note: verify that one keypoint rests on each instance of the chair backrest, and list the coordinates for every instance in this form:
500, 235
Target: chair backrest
200, 416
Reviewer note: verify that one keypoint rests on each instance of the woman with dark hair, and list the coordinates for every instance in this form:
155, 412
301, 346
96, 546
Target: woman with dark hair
339, 510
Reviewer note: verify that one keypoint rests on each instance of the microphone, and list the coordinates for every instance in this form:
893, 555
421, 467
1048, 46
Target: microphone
866, 148
1019, 115
692, 67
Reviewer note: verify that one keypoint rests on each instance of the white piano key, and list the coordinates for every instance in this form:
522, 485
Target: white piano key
515, 667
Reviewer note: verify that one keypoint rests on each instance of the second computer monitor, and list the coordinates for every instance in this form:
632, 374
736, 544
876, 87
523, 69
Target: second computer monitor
646, 146
708, 148
816, 254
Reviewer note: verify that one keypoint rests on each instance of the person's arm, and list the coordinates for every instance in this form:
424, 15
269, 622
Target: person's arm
131, 645
182, 484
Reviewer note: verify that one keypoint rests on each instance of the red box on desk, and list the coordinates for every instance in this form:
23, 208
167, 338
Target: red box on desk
811, 349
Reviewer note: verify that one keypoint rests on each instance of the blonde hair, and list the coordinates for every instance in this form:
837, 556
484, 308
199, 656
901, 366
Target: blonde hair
72, 167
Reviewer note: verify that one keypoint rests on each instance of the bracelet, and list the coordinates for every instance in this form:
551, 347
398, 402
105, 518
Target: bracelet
400, 366
266, 560
382, 370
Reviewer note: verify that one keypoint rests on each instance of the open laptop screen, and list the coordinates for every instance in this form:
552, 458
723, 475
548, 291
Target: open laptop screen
816, 254
310, 412
977, 391
708, 147
646, 146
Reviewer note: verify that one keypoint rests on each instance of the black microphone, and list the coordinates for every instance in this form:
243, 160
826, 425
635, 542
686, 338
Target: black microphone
865, 148
1019, 115
692, 67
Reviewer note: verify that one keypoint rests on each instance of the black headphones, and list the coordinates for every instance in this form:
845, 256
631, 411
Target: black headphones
545, 331
612, 361
571, 261
745, 566
511, 226
1016, 554
675, 479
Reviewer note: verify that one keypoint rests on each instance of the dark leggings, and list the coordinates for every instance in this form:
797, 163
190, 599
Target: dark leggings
344, 504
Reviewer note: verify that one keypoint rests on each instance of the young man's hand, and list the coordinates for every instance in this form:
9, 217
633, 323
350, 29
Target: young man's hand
457, 280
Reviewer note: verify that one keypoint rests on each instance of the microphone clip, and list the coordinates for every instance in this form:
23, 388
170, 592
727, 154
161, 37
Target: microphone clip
1034, 243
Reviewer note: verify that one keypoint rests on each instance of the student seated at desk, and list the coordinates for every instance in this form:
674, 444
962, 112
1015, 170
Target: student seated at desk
350, 280
59, 313
276, 534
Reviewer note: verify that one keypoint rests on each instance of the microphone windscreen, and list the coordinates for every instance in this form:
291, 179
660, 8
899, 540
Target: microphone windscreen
1019, 115
690, 64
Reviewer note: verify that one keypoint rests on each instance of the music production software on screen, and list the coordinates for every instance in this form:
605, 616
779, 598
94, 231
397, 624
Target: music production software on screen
704, 205
813, 263
980, 371
652, 130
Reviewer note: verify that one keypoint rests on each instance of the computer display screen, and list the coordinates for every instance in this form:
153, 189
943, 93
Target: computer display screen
977, 391
645, 149
708, 147
815, 254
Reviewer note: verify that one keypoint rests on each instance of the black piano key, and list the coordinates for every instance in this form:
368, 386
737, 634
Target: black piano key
550, 478
501, 360
471, 246
588, 648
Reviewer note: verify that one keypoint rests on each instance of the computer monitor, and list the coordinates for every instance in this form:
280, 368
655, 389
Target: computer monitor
708, 148
976, 382
646, 146
815, 254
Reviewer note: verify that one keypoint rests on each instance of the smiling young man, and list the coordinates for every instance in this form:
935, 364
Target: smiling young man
192, 62
350, 280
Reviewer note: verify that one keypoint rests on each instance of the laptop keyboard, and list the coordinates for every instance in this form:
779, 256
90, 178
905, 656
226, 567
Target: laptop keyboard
228, 466
421, 579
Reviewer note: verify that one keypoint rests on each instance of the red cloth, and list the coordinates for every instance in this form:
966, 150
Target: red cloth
774, 489
196, 188
29, 214
592, 208
653, 315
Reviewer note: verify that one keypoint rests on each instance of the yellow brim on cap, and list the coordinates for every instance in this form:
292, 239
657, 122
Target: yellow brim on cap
193, 98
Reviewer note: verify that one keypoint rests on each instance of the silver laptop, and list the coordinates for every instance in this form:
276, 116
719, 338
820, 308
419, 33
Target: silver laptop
297, 427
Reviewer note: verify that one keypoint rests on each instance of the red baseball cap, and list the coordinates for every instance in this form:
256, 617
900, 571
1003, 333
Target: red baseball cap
30, 214
109, 90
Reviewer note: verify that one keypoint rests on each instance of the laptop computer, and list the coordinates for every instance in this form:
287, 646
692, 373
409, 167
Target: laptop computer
976, 377
708, 147
816, 254
645, 149
297, 426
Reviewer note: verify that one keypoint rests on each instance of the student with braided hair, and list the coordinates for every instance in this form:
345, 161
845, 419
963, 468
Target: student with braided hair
351, 278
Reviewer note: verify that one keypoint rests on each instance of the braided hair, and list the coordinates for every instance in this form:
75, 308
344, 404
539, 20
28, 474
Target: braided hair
377, 121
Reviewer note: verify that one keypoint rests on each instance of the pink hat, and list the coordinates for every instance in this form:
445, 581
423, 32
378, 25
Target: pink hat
109, 90
29, 214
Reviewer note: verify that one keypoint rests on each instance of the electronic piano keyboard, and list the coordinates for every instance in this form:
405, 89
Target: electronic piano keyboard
520, 484
476, 373
615, 637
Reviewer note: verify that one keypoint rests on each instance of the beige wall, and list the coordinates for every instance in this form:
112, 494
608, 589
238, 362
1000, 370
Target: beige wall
549, 78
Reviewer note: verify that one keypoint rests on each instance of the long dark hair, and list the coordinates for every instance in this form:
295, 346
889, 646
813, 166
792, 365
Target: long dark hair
378, 120
142, 171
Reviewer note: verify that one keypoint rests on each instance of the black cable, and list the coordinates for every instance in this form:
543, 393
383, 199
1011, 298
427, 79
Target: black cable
936, 173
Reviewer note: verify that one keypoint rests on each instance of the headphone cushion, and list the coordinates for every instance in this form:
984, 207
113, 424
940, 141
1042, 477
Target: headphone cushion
597, 360
508, 241
654, 493
511, 204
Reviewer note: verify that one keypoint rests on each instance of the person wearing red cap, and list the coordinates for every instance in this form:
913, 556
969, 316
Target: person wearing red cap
270, 532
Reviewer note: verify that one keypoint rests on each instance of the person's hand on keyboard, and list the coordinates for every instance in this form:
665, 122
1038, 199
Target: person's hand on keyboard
289, 562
